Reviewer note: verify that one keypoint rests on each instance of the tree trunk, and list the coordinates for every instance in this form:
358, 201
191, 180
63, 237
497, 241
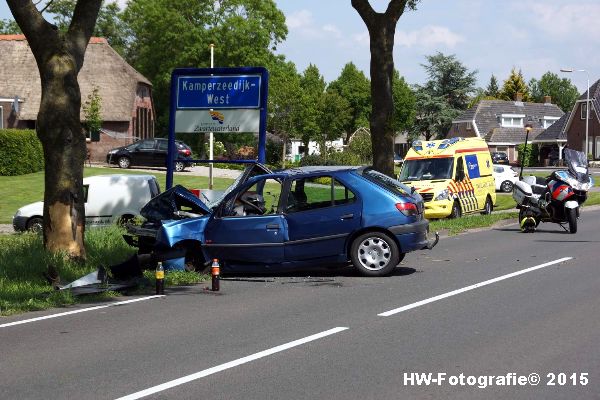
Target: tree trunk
59, 129
59, 57
381, 27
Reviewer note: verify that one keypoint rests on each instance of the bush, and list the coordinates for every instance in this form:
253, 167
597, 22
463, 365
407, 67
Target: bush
530, 156
20, 152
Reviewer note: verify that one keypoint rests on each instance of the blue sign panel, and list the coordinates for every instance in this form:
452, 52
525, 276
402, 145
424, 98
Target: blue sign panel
225, 91
472, 166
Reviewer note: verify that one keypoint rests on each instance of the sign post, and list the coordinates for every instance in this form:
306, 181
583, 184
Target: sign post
232, 100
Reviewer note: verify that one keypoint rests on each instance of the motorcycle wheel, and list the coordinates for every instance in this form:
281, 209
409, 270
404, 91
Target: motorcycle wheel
572, 219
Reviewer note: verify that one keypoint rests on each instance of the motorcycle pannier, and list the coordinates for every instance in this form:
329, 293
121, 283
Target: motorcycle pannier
521, 190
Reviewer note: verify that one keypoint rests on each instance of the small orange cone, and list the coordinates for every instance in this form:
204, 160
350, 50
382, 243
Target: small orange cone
215, 272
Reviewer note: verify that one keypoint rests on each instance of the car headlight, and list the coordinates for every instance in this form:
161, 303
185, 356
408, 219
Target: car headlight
443, 195
18, 213
112, 152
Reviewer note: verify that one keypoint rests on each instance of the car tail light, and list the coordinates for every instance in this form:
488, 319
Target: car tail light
407, 209
185, 152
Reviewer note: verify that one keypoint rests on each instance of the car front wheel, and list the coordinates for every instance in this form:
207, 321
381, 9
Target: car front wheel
35, 224
375, 254
506, 187
124, 162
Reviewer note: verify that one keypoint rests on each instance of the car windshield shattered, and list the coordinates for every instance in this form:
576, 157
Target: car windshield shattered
427, 169
250, 172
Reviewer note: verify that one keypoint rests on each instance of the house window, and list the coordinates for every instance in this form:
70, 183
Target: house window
512, 120
549, 121
583, 110
469, 126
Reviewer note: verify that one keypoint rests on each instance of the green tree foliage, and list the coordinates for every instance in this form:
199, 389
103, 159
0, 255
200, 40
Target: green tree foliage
563, 92
404, 104
354, 86
528, 156
108, 25
360, 144
313, 86
20, 152
513, 85
92, 111
443, 97
165, 34
450, 79
335, 113
433, 116
9, 27
285, 104
492, 88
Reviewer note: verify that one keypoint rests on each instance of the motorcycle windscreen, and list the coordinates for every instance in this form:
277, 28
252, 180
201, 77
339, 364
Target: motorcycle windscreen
578, 164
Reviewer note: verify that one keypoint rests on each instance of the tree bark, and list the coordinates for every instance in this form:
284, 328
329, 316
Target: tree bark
59, 57
381, 27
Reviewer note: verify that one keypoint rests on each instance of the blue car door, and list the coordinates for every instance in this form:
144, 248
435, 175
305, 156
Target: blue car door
320, 212
249, 228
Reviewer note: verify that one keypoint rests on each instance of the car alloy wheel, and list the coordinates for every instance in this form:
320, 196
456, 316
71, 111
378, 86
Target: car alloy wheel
179, 166
124, 162
35, 224
375, 254
506, 186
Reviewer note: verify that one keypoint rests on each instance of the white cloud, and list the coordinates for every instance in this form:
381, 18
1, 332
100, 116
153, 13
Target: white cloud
303, 24
428, 36
564, 19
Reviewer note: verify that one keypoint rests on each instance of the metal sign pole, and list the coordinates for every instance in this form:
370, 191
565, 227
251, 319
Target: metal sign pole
210, 135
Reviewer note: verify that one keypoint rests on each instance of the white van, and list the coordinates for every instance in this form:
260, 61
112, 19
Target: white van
108, 199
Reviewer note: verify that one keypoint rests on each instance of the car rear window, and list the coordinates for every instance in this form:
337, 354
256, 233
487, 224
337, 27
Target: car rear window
385, 181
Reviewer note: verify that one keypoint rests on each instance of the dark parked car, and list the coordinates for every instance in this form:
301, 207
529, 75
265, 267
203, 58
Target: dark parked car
150, 153
499, 157
289, 219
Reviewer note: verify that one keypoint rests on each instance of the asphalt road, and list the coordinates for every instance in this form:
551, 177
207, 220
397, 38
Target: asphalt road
491, 303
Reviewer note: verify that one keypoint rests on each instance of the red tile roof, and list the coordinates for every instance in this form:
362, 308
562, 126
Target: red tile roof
93, 40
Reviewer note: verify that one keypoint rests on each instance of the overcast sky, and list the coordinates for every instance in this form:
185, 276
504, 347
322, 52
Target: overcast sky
490, 36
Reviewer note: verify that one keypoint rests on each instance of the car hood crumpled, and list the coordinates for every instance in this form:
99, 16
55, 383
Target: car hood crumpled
166, 205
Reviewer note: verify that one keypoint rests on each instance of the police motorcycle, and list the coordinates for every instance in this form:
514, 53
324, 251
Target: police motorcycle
556, 198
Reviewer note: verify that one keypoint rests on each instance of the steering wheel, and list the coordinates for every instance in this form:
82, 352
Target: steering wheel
259, 210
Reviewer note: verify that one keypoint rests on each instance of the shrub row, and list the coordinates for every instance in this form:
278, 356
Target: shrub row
20, 152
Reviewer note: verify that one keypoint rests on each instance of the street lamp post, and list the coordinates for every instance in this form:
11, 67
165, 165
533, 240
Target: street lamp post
528, 129
587, 106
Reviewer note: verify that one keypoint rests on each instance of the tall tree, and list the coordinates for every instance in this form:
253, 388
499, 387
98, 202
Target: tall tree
382, 27
404, 104
354, 86
449, 78
513, 85
433, 116
285, 105
165, 34
108, 24
59, 56
313, 86
492, 88
564, 94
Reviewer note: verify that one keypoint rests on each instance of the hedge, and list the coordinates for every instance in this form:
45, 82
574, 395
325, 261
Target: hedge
20, 152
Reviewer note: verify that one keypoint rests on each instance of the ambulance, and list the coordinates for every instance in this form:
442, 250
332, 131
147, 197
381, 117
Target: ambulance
454, 176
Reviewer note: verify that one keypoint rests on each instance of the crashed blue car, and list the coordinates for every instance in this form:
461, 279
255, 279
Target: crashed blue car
302, 217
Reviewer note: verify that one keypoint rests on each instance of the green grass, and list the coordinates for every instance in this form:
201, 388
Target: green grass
454, 226
23, 262
18, 191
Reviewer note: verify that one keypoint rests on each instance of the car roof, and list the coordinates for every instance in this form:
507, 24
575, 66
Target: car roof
317, 169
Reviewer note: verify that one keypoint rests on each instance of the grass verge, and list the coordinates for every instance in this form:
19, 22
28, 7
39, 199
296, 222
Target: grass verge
23, 262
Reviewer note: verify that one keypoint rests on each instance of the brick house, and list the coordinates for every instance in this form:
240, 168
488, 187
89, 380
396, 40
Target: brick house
126, 95
502, 123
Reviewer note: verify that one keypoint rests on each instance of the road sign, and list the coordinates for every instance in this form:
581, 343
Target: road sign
218, 91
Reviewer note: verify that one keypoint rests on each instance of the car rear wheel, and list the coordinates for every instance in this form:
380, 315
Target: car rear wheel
35, 224
375, 254
179, 166
124, 162
506, 186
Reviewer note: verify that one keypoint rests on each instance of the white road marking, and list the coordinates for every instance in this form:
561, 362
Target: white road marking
230, 364
119, 303
467, 288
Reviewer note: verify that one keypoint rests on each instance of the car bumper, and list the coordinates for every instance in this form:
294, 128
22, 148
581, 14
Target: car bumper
438, 209
413, 236
19, 224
